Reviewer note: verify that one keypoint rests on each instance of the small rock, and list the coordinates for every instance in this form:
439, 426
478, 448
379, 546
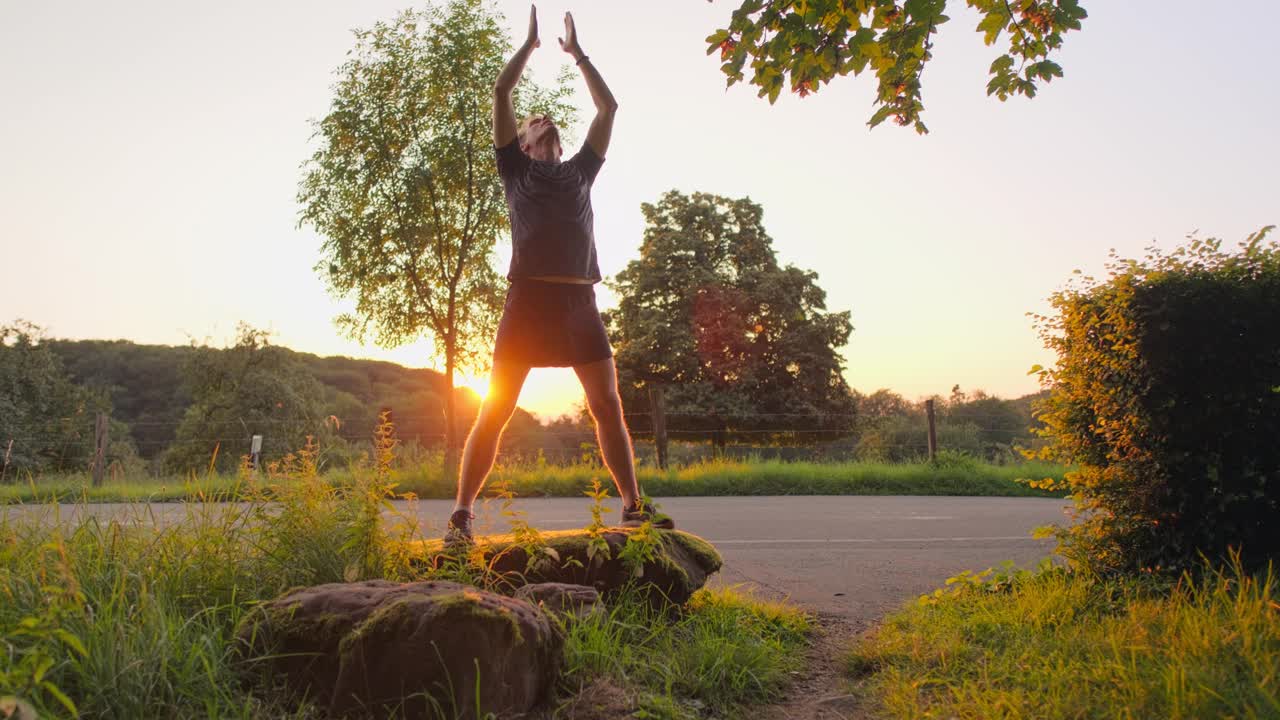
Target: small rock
577, 600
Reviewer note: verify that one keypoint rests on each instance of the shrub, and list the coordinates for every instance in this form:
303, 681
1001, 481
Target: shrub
1167, 394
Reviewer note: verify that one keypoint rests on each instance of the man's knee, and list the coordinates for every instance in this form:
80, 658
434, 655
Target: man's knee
606, 406
494, 414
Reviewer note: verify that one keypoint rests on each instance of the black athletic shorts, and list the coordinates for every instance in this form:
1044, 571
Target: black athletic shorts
551, 324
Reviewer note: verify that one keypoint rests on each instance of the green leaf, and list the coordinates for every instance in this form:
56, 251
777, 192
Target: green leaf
60, 697
998, 86
715, 38
71, 641
991, 26
881, 115
1001, 64
42, 667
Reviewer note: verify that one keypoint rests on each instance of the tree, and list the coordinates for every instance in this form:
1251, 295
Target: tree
1002, 425
883, 403
405, 190
142, 382
809, 42
48, 418
735, 339
253, 388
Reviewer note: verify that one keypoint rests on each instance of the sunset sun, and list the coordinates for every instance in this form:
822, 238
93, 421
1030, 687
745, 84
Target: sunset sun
478, 385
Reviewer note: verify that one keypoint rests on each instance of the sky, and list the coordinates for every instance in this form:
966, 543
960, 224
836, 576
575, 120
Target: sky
150, 155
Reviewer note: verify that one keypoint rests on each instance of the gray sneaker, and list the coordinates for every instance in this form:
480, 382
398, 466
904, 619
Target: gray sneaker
459, 532
646, 512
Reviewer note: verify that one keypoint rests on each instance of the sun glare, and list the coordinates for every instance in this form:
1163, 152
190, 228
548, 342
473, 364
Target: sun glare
546, 392
480, 385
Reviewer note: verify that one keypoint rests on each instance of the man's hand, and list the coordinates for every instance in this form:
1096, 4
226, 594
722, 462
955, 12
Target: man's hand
504, 112
569, 43
533, 41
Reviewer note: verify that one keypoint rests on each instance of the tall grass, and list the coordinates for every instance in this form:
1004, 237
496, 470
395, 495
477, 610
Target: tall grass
127, 619
134, 619
1064, 645
714, 477
124, 621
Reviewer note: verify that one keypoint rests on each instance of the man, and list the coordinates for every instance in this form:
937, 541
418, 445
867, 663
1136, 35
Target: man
550, 318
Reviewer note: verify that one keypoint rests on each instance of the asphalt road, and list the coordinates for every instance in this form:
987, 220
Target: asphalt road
853, 556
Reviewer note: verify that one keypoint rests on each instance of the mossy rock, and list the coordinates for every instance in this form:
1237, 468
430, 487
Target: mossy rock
575, 602
421, 649
679, 565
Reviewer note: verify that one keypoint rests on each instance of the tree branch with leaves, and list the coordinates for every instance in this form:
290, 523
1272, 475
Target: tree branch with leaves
807, 43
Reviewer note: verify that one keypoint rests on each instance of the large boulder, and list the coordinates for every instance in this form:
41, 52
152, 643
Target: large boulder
426, 649
677, 567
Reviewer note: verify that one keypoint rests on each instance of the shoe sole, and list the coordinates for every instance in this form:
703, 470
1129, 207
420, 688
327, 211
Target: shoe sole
662, 524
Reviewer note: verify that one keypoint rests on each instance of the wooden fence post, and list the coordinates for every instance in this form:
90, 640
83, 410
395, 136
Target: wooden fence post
255, 452
659, 424
99, 448
719, 436
8, 451
933, 432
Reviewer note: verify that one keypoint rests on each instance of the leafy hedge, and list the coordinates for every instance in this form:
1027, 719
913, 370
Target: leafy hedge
1167, 393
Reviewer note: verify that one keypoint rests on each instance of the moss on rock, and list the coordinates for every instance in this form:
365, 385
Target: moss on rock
680, 566
360, 646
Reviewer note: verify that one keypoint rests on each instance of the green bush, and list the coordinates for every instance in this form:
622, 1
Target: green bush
1167, 394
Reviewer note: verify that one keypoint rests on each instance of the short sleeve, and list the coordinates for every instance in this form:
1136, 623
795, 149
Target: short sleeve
512, 161
588, 162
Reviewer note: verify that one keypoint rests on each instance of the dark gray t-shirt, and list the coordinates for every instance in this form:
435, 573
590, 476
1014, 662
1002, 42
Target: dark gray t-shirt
550, 206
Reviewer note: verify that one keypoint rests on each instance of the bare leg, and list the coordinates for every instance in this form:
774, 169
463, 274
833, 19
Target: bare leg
482, 444
600, 382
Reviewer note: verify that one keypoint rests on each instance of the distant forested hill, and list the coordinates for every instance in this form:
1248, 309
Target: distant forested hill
143, 383
147, 391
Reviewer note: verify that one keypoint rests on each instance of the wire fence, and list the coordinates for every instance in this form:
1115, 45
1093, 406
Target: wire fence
70, 444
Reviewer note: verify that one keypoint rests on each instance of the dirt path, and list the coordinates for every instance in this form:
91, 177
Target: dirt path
822, 691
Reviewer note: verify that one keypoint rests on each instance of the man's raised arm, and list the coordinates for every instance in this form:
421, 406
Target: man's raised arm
602, 125
504, 111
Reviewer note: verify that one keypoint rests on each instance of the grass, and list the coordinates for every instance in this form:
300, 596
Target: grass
127, 619
716, 477
1056, 644
729, 653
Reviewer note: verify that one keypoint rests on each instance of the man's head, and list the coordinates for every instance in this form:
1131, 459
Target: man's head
539, 137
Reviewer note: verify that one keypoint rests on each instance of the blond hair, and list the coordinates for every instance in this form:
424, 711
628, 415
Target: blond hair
522, 129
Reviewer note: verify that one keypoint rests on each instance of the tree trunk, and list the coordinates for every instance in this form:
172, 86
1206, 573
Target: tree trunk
450, 432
